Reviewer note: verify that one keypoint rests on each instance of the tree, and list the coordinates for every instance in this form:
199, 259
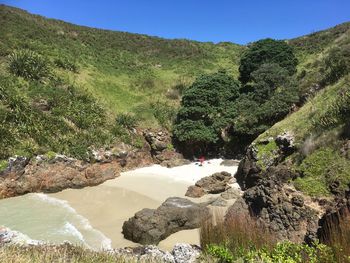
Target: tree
206, 109
272, 92
266, 51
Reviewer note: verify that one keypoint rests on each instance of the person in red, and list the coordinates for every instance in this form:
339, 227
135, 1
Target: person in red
201, 160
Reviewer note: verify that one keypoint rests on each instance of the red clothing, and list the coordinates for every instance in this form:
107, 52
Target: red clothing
201, 159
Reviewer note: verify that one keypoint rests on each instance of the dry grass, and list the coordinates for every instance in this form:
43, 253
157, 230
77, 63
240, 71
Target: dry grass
59, 254
336, 234
239, 233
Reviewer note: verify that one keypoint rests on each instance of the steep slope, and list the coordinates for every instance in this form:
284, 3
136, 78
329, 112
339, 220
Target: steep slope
125, 71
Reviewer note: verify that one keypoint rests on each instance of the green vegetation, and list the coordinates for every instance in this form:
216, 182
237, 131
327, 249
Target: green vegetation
321, 169
206, 109
267, 154
3, 165
240, 238
29, 65
67, 88
266, 51
123, 71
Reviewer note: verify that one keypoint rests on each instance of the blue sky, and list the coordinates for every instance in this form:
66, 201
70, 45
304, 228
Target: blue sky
204, 20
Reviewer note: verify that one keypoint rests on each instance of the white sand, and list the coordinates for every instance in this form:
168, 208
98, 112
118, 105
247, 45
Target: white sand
108, 205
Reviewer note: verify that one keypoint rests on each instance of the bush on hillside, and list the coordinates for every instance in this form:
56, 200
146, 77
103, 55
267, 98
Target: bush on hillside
164, 113
29, 65
266, 51
126, 120
66, 64
336, 64
206, 109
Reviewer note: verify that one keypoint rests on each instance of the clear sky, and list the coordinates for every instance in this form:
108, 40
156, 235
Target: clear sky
239, 21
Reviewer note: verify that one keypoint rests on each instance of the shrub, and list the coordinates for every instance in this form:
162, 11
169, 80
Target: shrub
67, 64
126, 120
3, 165
336, 64
164, 113
266, 51
29, 65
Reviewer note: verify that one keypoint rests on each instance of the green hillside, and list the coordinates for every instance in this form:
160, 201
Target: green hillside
89, 77
321, 127
69, 88
125, 71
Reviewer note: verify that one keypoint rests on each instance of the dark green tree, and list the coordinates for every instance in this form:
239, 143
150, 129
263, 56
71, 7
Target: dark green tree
272, 93
267, 51
206, 109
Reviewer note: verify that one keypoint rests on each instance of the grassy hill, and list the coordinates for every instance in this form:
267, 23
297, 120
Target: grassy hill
125, 71
96, 83
93, 76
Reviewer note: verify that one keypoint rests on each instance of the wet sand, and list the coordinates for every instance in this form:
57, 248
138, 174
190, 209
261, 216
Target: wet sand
108, 205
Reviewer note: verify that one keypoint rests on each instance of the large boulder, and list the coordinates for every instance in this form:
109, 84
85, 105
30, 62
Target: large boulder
150, 226
213, 184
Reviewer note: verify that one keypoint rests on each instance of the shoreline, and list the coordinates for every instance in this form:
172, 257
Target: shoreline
123, 196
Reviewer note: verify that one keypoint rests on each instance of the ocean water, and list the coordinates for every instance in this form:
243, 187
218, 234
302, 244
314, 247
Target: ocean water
41, 217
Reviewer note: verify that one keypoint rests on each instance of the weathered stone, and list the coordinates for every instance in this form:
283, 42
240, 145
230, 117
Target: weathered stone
298, 200
195, 191
149, 226
231, 193
285, 142
213, 184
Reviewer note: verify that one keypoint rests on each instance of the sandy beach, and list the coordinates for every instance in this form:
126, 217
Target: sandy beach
108, 205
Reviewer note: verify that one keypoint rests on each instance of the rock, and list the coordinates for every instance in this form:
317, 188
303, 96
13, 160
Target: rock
285, 216
195, 191
150, 226
298, 200
185, 253
285, 142
181, 253
229, 162
248, 172
158, 141
231, 193
239, 208
213, 184
219, 202
16, 165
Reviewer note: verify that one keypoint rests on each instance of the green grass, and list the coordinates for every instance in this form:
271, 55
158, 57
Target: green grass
266, 154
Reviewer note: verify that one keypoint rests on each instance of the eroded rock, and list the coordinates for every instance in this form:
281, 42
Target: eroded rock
150, 226
213, 184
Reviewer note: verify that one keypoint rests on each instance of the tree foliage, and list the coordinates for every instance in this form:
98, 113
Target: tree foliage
266, 51
271, 94
206, 109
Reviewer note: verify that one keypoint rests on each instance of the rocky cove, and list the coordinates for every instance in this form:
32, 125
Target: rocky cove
54, 199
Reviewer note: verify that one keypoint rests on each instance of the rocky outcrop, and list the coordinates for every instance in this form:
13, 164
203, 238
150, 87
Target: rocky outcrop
181, 253
55, 173
150, 226
248, 172
250, 168
162, 150
281, 210
213, 184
